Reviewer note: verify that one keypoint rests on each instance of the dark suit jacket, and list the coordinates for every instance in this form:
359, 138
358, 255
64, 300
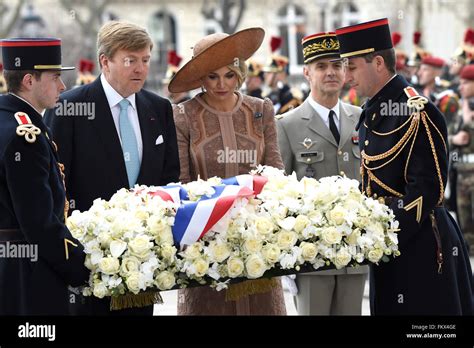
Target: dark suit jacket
89, 146
90, 149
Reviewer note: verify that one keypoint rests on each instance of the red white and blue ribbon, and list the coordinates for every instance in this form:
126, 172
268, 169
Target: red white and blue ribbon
194, 219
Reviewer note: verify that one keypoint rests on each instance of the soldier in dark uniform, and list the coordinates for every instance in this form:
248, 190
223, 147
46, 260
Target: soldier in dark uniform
255, 79
276, 75
402, 137
32, 193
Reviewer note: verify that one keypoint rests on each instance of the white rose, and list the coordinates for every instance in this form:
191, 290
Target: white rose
165, 280
337, 215
104, 239
109, 265
168, 252
287, 223
308, 251
117, 247
252, 246
235, 266
141, 214
255, 266
375, 255
286, 239
200, 267
160, 229
342, 258
133, 282
219, 251
264, 226
271, 253
88, 263
316, 217
331, 235
352, 238
140, 247
165, 236
129, 265
301, 223
100, 290
193, 251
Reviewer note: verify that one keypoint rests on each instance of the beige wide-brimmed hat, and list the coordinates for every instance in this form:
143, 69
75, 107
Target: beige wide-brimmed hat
214, 52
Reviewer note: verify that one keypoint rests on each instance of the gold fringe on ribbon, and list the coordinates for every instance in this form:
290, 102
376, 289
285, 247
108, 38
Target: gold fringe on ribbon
142, 299
250, 287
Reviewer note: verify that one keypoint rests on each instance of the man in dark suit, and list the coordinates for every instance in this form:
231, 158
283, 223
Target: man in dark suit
404, 162
113, 134
38, 255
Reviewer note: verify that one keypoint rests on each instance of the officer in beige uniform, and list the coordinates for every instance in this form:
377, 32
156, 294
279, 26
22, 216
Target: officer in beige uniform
318, 139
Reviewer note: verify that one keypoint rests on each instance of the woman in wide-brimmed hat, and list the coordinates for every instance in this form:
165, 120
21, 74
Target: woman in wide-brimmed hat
224, 133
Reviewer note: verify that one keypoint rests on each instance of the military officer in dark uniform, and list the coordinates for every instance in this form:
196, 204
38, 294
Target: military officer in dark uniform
39, 258
402, 137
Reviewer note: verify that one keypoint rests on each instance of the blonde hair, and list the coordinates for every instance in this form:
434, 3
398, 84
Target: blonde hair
240, 69
116, 35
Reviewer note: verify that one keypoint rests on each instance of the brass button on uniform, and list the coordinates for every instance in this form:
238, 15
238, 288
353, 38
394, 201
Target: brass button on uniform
366, 161
373, 116
308, 159
366, 142
339, 152
342, 173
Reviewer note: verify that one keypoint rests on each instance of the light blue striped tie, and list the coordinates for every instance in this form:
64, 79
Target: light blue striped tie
129, 144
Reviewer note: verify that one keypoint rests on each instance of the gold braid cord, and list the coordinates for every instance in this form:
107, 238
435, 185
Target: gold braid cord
418, 103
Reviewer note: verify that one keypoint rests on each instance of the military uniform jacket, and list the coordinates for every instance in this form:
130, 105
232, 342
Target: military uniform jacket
32, 199
308, 146
404, 156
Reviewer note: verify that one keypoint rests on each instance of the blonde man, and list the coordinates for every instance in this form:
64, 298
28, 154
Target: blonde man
118, 134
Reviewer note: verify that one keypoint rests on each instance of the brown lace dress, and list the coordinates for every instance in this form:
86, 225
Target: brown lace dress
225, 144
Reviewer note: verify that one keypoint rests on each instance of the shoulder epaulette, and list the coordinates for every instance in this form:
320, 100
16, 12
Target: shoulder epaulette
26, 128
415, 99
411, 92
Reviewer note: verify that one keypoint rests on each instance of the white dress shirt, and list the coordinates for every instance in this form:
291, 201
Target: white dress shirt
114, 98
323, 112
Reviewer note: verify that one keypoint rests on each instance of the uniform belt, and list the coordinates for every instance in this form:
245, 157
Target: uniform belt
11, 235
468, 158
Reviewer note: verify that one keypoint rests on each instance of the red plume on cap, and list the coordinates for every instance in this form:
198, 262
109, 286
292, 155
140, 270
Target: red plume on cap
1, 67
469, 36
396, 38
173, 58
86, 65
416, 37
275, 43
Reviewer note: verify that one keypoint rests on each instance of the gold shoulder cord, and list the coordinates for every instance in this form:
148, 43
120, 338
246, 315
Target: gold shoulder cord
418, 103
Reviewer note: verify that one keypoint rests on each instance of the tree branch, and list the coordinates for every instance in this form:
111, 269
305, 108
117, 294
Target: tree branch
13, 20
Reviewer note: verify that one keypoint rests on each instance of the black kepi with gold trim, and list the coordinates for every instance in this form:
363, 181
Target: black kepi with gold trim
364, 38
321, 45
32, 54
